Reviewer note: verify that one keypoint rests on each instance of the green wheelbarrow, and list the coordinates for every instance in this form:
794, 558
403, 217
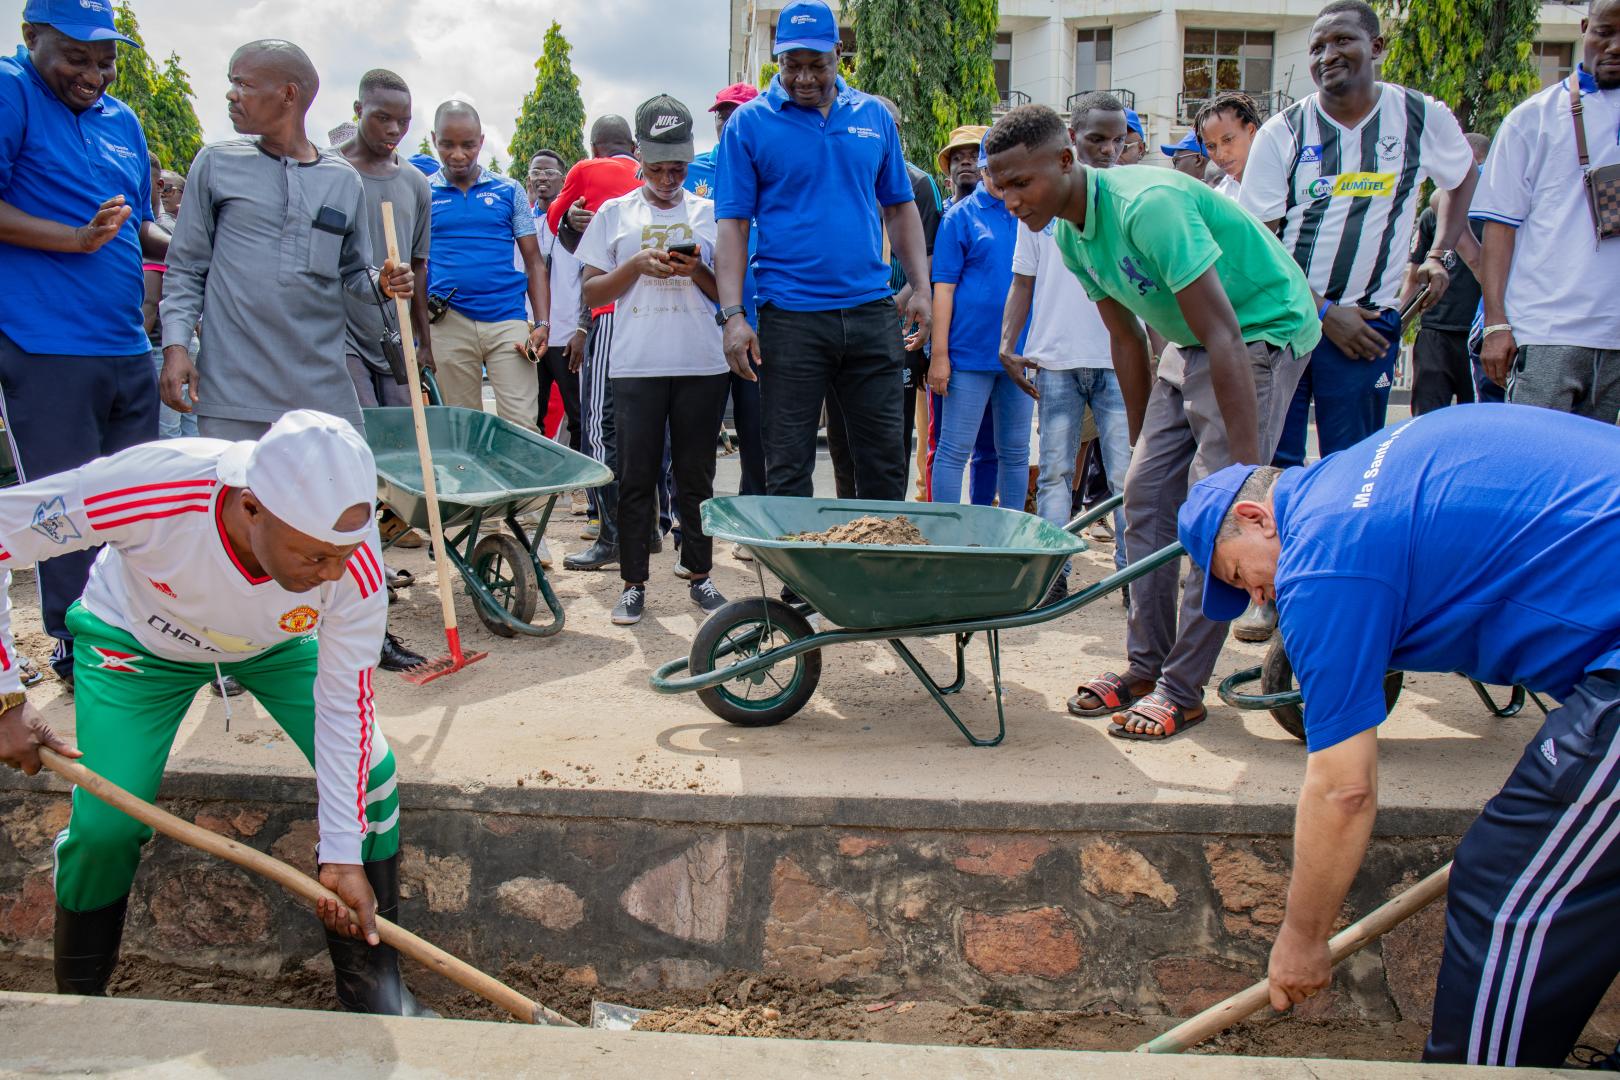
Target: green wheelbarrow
756, 662
486, 469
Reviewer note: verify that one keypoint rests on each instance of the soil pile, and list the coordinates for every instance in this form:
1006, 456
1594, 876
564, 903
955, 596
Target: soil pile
877, 531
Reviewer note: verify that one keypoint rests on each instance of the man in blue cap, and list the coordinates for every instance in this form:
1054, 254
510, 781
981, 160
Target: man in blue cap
816, 168
1477, 539
1135, 140
75, 223
1187, 156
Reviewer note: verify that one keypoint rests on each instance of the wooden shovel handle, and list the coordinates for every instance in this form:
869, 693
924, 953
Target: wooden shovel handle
424, 952
1353, 938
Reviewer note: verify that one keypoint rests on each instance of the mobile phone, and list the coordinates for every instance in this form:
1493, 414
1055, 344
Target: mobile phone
1412, 305
689, 250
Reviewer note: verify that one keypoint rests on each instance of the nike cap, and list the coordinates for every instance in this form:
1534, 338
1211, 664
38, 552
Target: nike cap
663, 130
307, 470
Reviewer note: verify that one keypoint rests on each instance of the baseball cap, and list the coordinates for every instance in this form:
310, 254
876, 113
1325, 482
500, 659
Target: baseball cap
735, 94
81, 20
806, 24
984, 158
1188, 141
966, 135
307, 470
663, 130
1198, 524
1133, 122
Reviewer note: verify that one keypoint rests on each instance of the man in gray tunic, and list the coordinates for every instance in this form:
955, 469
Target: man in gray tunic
270, 237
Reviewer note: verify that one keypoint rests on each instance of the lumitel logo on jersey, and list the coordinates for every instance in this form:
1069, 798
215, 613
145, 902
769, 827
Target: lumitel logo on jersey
663, 124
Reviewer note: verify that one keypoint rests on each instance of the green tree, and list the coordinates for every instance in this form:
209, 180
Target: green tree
1472, 54
495, 165
160, 97
767, 72
553, 115
935, 61
425, 147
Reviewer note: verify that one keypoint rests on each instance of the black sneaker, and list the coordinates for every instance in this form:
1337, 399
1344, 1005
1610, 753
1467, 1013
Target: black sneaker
226, 687
1059, 590
627, 612
397, 656
706, 596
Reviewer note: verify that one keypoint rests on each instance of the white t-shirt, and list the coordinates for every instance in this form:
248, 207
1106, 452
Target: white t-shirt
1561, 289
1348, 197
1228, 187
1065, 329
661, 326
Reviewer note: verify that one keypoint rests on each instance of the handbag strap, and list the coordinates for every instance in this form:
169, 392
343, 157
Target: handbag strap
1575, 110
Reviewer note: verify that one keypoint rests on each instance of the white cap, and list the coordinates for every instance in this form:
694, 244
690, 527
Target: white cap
307, 470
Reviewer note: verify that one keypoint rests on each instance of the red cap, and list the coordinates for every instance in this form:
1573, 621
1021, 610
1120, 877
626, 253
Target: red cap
735, 94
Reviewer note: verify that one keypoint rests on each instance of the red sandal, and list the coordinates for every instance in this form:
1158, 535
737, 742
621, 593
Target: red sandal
1157, 708
1110, 689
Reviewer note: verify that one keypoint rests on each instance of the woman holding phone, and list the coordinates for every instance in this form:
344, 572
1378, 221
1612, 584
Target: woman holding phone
651, 253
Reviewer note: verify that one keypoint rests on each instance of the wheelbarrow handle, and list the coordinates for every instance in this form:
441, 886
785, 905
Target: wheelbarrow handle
1096, 513
1230, 693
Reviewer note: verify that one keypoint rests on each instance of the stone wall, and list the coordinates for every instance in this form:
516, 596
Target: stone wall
1154, 920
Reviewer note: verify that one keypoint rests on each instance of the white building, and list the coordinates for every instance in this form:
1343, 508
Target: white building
1164, 57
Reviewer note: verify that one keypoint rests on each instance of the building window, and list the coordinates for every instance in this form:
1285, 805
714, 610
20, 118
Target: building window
1093, 59
1216, 60
1554, 60
1003, 58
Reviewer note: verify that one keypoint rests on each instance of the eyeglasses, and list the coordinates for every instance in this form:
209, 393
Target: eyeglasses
545, 174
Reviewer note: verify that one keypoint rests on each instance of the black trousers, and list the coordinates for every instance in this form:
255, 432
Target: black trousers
1441, 370
553, 368
691, 408
853, 355
745, 409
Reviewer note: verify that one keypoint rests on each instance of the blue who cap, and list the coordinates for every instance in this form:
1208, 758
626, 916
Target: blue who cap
806, 24
1188, 141
984, 158
1133, 122
81, 20
1197, 526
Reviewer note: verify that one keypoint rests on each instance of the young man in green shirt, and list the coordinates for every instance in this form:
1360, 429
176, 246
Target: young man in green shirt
1154, 245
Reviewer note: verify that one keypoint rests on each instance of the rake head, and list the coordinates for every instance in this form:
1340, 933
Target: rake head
441, 666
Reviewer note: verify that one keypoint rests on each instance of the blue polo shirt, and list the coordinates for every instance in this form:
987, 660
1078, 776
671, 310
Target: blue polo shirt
974, 251
473, 234
700, 180
1480, 539
813, 187
62, 165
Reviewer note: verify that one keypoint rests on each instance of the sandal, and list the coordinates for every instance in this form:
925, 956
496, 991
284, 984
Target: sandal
1156, 708
1110, 689
400, 579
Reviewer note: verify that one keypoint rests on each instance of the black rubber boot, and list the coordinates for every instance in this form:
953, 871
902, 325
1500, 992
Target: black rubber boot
87, 947
367, 976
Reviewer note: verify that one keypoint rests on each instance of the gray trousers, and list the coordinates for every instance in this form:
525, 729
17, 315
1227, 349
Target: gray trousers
1569, 378
220, 427
1183, 440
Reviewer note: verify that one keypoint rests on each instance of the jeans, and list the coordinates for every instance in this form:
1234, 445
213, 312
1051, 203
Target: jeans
852, 354
171, 424
972, 395
982, 465
1352, 396
1064, 397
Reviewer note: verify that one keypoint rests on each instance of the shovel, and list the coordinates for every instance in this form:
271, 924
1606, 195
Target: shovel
455, 660
424, 952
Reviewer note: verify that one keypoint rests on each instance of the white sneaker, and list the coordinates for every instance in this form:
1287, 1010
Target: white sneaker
579, 503
741, 554
682, 572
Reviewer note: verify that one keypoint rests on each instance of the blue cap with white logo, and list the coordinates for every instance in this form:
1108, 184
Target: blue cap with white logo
81, 20
1199, 523
1133, 122
806, 24
1188, 142
984, 158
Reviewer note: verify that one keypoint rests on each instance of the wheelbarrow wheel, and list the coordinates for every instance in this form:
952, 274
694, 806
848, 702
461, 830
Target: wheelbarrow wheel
1277, 677
503, 568
740, 631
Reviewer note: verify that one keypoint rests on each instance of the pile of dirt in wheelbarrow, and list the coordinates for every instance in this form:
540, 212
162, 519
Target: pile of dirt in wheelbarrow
877, 531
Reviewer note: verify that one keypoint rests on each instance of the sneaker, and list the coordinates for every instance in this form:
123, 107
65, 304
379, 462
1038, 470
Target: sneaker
1059, 590
682, 572
741, 554
543, 553
1257, 624
627, 612
1102, 531
226, 687
706, 596
592, 529
579, 503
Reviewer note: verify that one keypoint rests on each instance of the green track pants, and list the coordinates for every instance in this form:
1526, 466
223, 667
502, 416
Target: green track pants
128, 706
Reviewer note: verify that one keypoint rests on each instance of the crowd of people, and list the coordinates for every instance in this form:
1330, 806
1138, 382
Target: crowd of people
1165, 331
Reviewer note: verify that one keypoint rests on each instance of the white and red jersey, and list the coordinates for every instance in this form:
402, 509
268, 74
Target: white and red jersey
169, 577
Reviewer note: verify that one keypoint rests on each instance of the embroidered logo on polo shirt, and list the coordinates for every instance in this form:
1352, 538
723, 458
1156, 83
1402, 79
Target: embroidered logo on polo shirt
1143, 283
1549, 750
52, 522
300, 620
864, 132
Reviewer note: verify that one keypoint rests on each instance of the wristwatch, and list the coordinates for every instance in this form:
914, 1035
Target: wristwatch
12, 700
724, 315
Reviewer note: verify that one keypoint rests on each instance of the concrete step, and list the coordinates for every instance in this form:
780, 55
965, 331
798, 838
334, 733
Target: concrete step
135, 1039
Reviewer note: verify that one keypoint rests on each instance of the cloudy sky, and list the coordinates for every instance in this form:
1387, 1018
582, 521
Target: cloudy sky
624, 51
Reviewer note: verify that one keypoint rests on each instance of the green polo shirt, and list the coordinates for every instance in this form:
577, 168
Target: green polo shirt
1151, 232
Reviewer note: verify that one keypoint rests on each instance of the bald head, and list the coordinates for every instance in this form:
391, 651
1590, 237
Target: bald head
1480, 145
284, 63
456, 111
611, 135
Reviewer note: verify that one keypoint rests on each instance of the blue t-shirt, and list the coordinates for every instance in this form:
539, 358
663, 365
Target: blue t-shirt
813, 187
62, 165
1480, 539
974, 252
473, 235
700, 180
